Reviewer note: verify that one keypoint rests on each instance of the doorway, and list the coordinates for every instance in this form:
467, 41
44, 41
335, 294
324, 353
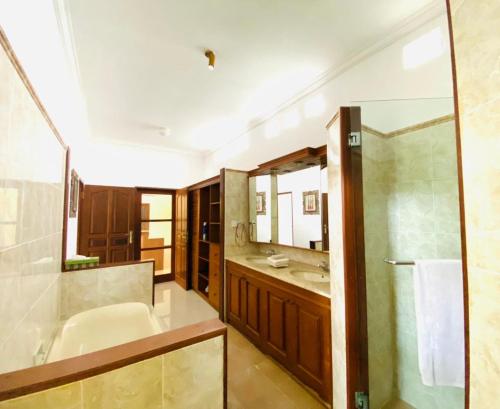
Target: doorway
155, 224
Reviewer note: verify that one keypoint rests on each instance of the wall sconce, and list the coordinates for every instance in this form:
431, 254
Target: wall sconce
211, 59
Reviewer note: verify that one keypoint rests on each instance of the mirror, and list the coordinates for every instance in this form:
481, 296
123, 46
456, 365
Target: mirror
290, 208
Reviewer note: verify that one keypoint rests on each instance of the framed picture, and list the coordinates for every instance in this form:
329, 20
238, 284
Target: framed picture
73, 196
310, 202
260, 206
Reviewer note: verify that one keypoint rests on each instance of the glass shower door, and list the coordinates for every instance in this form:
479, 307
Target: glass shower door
411, 212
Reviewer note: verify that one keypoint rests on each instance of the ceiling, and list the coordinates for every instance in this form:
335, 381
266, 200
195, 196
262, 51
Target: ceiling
142, 67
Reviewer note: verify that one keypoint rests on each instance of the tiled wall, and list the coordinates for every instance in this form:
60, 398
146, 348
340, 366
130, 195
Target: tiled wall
170, 381
32, 164
411, 212
477, 42
424, 223
86, 289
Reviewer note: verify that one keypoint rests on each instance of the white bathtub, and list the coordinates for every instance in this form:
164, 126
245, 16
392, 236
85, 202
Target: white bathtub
103, 327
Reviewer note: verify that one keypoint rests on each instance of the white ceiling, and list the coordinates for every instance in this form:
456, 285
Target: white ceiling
142, 66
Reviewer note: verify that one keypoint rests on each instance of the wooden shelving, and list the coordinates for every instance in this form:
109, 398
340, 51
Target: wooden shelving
205, 249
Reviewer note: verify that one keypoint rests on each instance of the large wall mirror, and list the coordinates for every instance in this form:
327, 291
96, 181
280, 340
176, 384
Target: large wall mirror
289, 203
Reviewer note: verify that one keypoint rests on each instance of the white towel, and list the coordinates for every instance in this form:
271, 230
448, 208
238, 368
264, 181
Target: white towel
439, 307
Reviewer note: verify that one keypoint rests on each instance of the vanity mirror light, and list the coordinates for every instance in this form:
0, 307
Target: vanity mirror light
288, 200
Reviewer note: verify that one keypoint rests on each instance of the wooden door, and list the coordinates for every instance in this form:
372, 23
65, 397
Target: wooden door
105, 225
348, 236
156, 229
181, 237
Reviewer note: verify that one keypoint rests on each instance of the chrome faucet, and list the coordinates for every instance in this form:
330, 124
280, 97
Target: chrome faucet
325, 267
271, 252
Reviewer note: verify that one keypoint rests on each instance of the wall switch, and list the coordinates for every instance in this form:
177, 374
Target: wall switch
234, 223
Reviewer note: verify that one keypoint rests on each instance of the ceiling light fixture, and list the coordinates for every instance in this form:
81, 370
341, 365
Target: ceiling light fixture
211, 59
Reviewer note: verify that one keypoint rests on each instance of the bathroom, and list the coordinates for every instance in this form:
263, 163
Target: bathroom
251, 205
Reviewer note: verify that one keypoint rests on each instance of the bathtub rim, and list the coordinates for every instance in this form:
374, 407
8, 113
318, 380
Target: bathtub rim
39, 378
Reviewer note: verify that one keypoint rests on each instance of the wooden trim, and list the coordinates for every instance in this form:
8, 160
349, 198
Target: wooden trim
222, 227
461, 199
205, 183
263, 243
373, 131
4, 41
108, 265
301, 154
333, 120
81, 187
39, 378
225, 372
354, 257
155, 189
65, 211
137, 229
411, 128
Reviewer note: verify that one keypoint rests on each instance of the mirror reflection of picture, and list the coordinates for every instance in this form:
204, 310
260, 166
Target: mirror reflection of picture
73, 198
311, 202
261, 203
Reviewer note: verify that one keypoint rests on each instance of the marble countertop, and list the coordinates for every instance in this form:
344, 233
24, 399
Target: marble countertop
284, 273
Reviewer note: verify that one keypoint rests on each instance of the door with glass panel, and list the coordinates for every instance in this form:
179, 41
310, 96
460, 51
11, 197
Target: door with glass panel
156, 226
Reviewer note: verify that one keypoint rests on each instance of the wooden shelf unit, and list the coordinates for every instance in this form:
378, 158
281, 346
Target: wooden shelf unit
205, 251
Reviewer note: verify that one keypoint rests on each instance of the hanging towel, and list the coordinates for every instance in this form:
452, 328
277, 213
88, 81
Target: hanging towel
439, 308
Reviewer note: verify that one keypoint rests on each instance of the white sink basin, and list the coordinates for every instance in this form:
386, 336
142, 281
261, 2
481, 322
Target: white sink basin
311, 276
257, 260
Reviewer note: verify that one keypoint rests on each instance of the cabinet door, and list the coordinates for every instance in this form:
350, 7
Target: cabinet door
252, 317
313, 354
279, 333
235, 299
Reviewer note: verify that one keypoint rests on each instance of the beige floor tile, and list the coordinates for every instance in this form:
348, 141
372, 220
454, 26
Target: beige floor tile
255, 381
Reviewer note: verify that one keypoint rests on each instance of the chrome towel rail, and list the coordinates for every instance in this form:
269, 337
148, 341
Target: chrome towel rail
399, 263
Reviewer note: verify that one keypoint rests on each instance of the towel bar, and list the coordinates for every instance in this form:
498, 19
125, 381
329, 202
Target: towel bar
399, 263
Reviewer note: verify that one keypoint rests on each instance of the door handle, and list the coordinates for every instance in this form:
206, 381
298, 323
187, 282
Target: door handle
130, 236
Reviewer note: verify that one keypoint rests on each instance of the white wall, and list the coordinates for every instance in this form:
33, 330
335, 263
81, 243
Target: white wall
379, 76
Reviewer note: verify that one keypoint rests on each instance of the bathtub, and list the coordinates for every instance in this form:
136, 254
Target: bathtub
103, 327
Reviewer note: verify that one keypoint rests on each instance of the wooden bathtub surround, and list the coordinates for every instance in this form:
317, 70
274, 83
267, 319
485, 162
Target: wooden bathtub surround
39, 378
289, 323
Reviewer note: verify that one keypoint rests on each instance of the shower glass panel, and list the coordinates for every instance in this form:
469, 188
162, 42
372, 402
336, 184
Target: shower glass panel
411, 212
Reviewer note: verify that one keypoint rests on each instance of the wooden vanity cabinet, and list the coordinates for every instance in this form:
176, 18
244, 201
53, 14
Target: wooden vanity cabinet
287, 322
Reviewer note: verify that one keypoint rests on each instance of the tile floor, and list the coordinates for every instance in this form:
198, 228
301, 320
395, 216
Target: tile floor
254, 380
178, 307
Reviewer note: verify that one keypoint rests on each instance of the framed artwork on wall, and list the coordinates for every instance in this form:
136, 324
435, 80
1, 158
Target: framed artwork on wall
74, 190
310, 202
261, 203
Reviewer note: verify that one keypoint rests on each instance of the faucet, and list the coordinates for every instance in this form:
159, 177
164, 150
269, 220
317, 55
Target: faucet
271, 252
325, 267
